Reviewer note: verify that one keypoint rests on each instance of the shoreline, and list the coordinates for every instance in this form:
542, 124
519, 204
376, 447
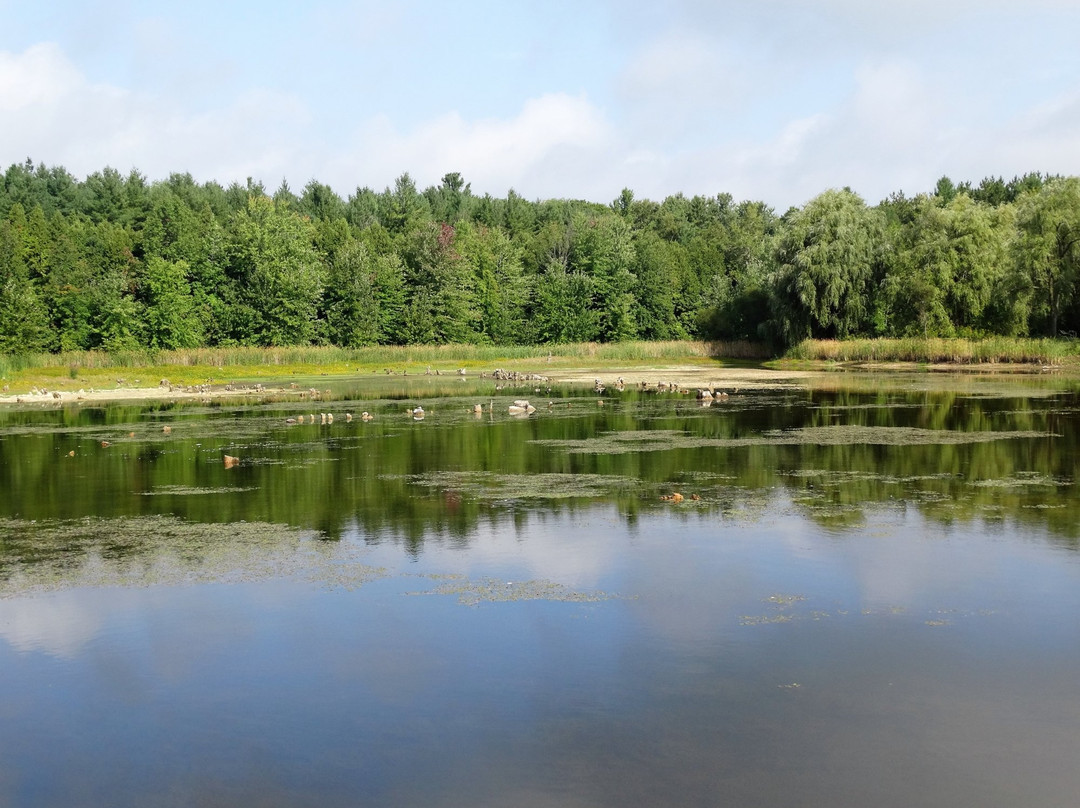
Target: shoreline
688, 376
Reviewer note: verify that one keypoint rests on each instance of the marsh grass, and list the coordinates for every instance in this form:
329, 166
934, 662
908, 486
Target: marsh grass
991, 350
381, 355
197, 366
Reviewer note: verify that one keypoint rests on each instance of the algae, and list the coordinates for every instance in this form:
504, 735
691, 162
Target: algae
664, 440
490, 590
146, 551
484, 485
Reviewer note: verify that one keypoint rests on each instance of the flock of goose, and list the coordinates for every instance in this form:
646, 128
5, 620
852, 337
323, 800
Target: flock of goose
706, 395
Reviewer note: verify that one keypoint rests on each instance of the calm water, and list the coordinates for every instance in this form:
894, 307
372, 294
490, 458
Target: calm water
870, 595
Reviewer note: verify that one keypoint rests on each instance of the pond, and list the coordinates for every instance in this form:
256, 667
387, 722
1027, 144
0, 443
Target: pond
865, 593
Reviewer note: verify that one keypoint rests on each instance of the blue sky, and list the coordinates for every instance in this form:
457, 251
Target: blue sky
774, 100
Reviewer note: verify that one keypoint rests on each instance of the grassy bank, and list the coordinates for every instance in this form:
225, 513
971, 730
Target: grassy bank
145, 368
992, 350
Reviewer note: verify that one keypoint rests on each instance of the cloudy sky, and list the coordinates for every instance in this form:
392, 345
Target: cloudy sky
774, 100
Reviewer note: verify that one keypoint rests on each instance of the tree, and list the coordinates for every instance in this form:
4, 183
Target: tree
732, 259
660, 268
278, 273
1048, 249
502, 291
945, 190
403, 209
451, 201
442, 307
169, 306
826, 257
116, 314
320, 203
23, 318
602, 249
562, 312
364, 297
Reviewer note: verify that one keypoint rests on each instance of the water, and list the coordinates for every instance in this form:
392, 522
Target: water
872, 600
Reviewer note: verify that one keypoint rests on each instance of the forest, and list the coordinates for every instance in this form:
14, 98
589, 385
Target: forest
116, 262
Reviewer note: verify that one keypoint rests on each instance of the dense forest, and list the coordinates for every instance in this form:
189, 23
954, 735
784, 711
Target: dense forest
114, 262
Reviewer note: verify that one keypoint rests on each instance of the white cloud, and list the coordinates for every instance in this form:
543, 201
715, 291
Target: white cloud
64, 119
59, 626
39, 77
692, 111
494, 154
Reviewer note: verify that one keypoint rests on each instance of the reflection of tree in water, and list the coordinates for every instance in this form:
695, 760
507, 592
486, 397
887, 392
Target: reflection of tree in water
834, 454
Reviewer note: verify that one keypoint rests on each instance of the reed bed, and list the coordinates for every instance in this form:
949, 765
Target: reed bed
991, 350
377, 357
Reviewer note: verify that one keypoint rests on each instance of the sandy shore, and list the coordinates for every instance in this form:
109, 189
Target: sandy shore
120, 394
686, 376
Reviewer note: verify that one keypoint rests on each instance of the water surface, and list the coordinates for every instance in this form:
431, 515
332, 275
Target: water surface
868, 595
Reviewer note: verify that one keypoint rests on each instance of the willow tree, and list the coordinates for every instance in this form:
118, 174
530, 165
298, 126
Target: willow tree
826, 257
946, 267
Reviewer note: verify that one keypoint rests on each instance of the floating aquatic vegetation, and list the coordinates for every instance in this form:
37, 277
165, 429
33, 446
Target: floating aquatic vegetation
189, 490
785, 600
786, 612
1024, 479
163, 550
764, 619
663, 440
832, 475
492, 486
489, 590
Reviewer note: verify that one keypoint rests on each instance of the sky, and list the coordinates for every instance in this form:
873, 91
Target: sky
770, 100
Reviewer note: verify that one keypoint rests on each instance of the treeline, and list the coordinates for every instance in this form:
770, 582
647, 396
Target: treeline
116, 262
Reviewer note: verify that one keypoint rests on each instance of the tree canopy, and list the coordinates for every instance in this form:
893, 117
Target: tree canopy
115, 261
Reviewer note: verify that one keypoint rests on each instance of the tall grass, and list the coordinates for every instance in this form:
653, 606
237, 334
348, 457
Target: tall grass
393, 356
991, 350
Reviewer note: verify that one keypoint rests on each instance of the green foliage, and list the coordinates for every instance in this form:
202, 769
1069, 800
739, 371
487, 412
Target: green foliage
826, 255
603, 250
363, 297
278, 272
502, 291
170, 306
1048, 251
23, 317
121, 262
